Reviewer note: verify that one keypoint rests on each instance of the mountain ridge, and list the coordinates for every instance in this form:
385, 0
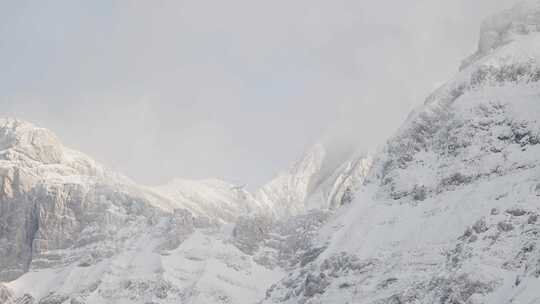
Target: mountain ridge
446, 212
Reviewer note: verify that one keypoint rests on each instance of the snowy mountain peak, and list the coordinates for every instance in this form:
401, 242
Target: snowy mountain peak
26, 141
504, 27
449, 212
323, 179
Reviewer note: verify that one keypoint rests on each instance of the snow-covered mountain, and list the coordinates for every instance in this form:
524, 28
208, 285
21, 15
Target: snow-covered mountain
449, 211
446, 212
74, 229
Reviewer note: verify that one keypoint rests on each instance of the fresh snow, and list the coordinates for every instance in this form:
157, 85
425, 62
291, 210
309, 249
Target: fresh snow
448, 211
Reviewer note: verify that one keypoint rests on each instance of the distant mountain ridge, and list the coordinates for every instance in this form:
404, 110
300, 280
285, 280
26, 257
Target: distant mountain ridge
62, 214
323, 179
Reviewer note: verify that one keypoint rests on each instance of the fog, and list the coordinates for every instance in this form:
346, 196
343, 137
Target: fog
234, 89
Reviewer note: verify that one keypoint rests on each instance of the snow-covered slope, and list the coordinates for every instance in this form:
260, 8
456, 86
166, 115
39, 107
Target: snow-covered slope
326, 177
449, 212
201, 268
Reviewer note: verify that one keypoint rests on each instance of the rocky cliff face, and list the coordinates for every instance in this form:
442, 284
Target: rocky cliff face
46, 195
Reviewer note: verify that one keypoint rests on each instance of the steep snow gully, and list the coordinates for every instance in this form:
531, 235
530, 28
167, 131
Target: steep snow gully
447, 211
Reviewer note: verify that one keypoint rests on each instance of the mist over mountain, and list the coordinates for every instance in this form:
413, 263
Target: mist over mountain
237, 91
444, 210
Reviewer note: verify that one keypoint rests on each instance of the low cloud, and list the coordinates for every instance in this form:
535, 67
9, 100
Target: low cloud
228, 89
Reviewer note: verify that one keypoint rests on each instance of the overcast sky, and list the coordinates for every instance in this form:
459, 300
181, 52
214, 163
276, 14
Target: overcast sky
233, 89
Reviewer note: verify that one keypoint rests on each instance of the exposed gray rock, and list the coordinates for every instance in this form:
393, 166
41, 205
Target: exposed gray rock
386, 283
344, 263
516, 212
250, 232
457, 289
505, 226
289, 241
315, 284
77, 300
179, 226
54, 298
533, 218
314, 280
480, 226
25, 299
6, 296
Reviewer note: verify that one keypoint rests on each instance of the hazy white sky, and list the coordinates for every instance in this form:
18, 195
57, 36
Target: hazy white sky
232, 89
